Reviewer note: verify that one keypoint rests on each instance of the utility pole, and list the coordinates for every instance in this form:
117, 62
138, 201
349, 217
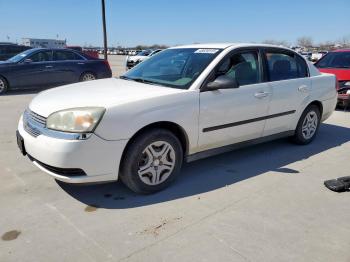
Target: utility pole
104, 29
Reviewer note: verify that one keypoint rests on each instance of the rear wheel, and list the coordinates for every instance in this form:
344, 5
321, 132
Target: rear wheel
87, 76
152, 161
3, 85
308, 125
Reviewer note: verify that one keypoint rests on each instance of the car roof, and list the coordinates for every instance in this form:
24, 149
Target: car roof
227, 45
51, 49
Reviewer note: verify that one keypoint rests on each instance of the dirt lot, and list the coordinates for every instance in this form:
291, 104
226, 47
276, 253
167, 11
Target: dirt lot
263, 203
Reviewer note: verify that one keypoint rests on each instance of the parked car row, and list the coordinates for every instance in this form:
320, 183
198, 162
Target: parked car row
89, 52
8, 50
119, 52
131, 61
50, 67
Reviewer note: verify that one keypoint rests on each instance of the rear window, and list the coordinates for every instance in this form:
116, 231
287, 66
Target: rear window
283, 66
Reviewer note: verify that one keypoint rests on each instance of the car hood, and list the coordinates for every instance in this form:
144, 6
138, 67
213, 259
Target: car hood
340, 73
99, 93
5, 63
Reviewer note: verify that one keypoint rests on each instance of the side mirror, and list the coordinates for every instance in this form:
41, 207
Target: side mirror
27, 61
221, 82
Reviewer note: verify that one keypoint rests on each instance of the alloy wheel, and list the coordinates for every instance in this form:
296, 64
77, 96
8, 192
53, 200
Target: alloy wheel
88, 77
2, 85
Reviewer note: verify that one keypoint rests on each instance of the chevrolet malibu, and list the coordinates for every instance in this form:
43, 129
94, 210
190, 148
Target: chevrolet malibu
184, 104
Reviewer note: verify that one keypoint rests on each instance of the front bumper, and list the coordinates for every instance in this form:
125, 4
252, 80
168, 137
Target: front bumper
97, 158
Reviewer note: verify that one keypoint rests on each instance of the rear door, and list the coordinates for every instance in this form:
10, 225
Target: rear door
234, 115
290, 84
68, 66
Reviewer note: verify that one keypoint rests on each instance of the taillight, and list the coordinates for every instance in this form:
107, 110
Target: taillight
107, 64
337, 87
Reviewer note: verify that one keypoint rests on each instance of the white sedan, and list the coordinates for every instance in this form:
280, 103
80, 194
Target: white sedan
183, 104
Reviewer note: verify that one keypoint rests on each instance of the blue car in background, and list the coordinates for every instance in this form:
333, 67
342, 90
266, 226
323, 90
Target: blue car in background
50, 67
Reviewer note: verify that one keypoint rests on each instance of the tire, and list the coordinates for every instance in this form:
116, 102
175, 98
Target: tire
308, 125
87, 76
144, 169
3, 85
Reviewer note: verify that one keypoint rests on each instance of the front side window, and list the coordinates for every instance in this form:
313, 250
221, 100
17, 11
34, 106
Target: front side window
42, 56
283, 66
243, 67
177, 68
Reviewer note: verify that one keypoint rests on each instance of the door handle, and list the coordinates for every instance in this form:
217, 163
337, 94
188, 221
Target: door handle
49, 66
303, 89
81, 63
261, 94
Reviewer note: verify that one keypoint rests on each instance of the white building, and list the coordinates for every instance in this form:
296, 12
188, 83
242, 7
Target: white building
45, 43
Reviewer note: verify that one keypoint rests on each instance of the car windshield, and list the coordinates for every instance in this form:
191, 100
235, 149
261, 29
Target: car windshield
177, 68
20, 56
335, 60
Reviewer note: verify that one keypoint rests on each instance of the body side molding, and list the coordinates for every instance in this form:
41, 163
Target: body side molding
213, 128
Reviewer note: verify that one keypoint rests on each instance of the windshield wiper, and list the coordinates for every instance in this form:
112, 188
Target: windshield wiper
141, 80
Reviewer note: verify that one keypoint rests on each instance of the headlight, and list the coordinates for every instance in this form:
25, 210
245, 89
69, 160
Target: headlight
347, 83
348, 92
76, 120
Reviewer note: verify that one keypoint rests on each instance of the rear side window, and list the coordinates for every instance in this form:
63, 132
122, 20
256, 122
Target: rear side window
282, 66
66, 55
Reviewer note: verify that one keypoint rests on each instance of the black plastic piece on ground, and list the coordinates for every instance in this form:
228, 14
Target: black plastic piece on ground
341, 184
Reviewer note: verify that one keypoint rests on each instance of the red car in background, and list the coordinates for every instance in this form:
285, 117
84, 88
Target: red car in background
338, 63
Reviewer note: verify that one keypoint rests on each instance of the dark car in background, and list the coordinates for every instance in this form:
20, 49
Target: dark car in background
50, 67
8, 50
338, 63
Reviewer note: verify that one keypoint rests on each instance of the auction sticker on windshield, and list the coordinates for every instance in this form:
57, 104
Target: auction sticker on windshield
206, 51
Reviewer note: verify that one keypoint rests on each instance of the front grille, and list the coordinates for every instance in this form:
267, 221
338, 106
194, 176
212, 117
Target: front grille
32, 122
68, 172
37, 118
32, 131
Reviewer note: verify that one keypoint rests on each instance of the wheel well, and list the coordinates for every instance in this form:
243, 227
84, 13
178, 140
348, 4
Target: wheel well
177, 130
7, 82
319, 105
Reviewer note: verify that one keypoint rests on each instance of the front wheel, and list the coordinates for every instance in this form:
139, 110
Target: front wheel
3, 85
308, 125
152, 161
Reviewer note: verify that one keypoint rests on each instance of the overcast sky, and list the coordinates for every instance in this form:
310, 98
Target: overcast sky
174, 22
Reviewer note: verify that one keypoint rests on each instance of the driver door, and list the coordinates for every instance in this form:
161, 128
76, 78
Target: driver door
229, 116
34, 70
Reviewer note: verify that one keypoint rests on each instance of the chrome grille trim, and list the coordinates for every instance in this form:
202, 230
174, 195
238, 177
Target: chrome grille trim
38, 118
35, 125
